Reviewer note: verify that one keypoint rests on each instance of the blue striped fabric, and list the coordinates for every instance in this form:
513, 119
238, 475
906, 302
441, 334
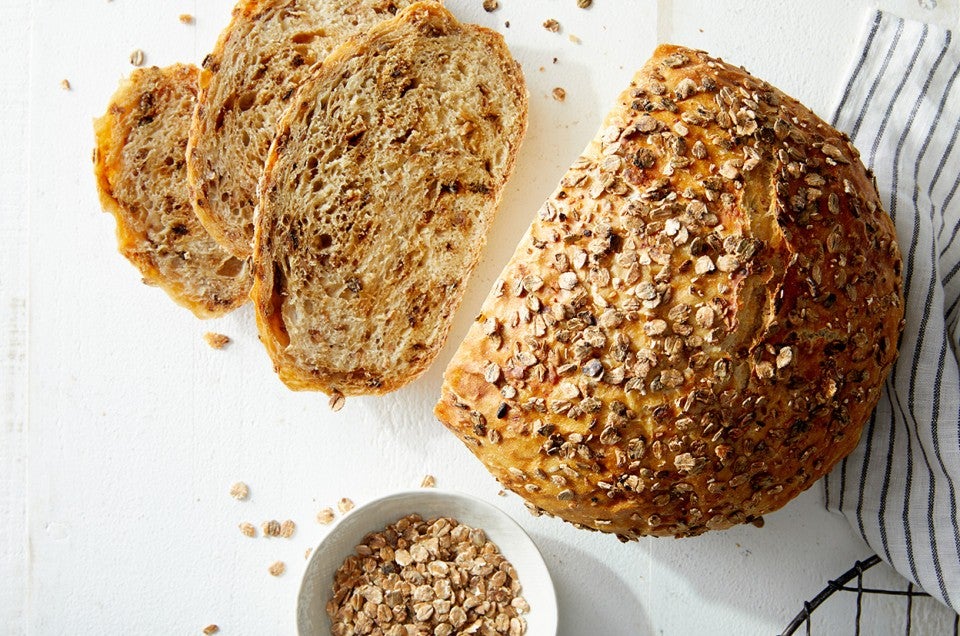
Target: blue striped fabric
901, 107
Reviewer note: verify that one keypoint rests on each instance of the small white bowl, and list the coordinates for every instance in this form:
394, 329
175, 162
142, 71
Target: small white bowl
513, 542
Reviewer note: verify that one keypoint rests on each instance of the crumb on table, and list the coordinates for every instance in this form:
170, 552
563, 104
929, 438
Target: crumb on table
216, 340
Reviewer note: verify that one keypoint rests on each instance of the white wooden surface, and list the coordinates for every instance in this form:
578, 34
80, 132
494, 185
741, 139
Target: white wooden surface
121, 432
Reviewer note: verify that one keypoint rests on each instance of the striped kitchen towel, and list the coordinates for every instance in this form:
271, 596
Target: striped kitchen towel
899, 488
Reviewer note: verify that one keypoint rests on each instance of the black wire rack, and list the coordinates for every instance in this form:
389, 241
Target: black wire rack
852, 582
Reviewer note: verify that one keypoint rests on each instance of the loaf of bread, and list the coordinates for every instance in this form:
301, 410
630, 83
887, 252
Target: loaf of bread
699, 320
139, 163
268, 49
377, 195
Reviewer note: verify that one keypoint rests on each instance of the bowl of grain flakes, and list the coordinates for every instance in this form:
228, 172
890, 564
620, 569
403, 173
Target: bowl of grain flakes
426, 562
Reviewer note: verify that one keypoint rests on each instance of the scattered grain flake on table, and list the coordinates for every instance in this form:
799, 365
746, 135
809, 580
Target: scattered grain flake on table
325, 516
211, 629
277, 568
248, 529
429, 481
137, 57
444, 577
216, 340
287, 528
270, 528
584, 4
65, 84
345, 505
239, 491
490, 5
559, 94
337, 401
186, 18
552, 25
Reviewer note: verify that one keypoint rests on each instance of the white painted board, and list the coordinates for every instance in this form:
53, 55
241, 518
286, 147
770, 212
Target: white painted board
128, 430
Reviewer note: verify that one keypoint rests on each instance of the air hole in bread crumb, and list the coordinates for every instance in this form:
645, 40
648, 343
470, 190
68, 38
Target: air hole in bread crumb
230, 268
247, 100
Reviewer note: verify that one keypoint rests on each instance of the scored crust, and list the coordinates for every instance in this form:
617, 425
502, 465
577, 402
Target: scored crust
699, 320
267, 50
139, 161
376, 198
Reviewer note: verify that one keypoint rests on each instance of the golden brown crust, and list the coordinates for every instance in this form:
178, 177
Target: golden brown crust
699, 321
267, 50
139, 163
372, 219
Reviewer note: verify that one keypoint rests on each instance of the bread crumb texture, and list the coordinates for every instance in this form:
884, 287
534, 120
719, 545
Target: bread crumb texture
699, 320
140, 167
377, 196
268, 50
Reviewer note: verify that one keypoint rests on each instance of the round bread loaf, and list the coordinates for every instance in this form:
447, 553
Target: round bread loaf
699, 321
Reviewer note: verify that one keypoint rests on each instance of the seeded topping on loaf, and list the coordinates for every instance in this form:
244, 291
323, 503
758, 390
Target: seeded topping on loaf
699, 320
141, 175
268, 49
376, 198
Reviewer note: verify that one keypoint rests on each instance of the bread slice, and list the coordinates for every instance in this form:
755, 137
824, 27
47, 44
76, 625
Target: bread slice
139, 163
376, 198
699, 320
268, 49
